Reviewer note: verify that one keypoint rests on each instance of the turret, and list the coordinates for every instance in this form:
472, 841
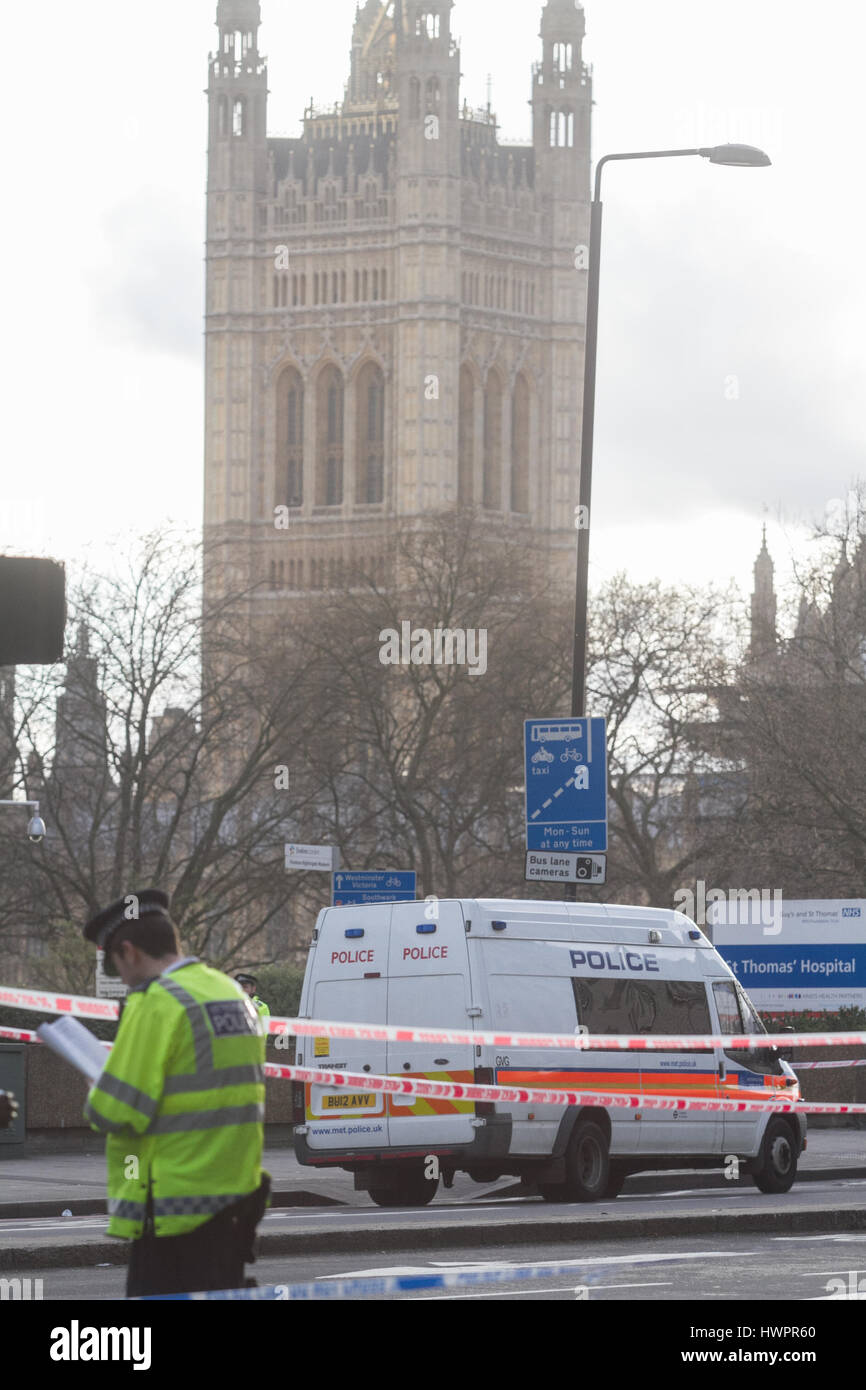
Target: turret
562, 100
237, 96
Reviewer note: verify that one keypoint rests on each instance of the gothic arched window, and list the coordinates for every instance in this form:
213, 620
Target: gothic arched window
238, 117
466, 440
428, 25
520, 446
329, 434
414, 99
492, 489
370, 447
290, 439
434, 95
223, 125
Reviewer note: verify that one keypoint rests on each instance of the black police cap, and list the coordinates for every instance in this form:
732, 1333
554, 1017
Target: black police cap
246, 980
120, 914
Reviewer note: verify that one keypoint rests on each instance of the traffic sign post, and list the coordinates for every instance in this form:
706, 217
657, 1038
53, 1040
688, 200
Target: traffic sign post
566, 785
372, 886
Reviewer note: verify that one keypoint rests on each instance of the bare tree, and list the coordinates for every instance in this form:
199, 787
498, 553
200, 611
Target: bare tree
799, 717
656, 656
151, 775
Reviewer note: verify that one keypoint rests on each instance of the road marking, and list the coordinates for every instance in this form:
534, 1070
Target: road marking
514, 1293
852, 1236
477, 1266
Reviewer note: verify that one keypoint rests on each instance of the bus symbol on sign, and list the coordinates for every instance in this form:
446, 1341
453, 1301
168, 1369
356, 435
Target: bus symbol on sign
542, 733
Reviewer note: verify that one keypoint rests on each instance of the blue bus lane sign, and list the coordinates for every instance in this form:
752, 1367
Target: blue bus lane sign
566, 784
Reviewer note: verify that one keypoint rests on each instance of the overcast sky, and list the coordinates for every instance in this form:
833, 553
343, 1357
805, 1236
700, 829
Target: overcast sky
731, 360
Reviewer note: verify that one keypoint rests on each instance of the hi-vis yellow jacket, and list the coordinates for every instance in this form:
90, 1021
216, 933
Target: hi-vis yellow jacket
181, 1100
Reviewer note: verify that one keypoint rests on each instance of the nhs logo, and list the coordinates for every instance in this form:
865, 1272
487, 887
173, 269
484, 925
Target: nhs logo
850, 912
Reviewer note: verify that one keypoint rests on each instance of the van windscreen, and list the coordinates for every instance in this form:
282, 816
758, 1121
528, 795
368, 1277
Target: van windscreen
641, 1006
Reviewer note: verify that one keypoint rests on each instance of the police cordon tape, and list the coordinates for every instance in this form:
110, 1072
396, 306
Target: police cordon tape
520, 1095
538, 1095
375, 1287
814, 1066
80, 1006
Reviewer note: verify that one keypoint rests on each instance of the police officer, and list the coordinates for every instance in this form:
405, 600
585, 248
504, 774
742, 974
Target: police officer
249, 984
181, 1100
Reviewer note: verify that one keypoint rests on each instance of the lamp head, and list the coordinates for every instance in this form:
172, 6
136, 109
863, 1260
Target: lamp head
737, 156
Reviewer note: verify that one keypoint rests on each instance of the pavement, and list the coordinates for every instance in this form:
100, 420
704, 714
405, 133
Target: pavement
48, 1184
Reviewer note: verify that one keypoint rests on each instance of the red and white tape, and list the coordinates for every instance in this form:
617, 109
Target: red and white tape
536, 1095
519, 1095
816, 1066
42, 1002
82, 1007
579, 1042
20, 1035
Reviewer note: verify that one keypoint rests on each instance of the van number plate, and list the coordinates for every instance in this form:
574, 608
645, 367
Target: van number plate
350, 1101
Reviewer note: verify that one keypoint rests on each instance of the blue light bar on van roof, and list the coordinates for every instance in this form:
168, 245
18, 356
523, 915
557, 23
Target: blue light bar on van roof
499, 926
354, 931
425, 927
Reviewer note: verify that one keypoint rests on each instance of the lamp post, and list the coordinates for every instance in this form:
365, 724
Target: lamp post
736, 156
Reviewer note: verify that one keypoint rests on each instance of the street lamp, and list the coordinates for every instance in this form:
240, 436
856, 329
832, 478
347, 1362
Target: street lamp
737, 157
36, 827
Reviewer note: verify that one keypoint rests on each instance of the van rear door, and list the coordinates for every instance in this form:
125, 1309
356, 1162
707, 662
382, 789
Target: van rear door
428, 985
349, 985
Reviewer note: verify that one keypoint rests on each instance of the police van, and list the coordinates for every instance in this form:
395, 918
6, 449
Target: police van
542, 967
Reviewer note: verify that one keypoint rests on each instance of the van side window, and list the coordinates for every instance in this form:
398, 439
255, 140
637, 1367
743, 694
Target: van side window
728, 1008
737, 1016
645, 1006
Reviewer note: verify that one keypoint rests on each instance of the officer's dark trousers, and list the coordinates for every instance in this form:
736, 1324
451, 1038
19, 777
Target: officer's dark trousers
211, 1257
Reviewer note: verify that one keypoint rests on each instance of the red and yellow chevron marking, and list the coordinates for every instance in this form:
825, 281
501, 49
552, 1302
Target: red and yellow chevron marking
416, 1105
426, 1105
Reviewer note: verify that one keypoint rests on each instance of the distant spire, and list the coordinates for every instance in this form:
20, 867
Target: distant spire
763, 634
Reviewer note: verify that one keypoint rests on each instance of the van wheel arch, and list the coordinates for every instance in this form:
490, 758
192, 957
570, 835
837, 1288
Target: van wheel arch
598, 1114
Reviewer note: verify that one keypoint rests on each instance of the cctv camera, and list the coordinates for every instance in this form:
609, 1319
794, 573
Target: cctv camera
36, 830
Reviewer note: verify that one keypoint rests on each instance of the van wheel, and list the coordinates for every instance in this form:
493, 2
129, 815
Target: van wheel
777, 1164
587, 1163
409, 1190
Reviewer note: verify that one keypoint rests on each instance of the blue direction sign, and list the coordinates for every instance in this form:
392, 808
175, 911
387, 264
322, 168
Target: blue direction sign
372, 886
566, 785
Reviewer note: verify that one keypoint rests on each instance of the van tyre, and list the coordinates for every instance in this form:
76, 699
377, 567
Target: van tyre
587, 1163
409, 1190
777, 1162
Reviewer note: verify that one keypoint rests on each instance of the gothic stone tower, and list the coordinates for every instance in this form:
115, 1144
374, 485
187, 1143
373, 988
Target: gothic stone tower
395, 320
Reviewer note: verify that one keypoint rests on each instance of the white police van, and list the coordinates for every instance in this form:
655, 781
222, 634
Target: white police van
530, 966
